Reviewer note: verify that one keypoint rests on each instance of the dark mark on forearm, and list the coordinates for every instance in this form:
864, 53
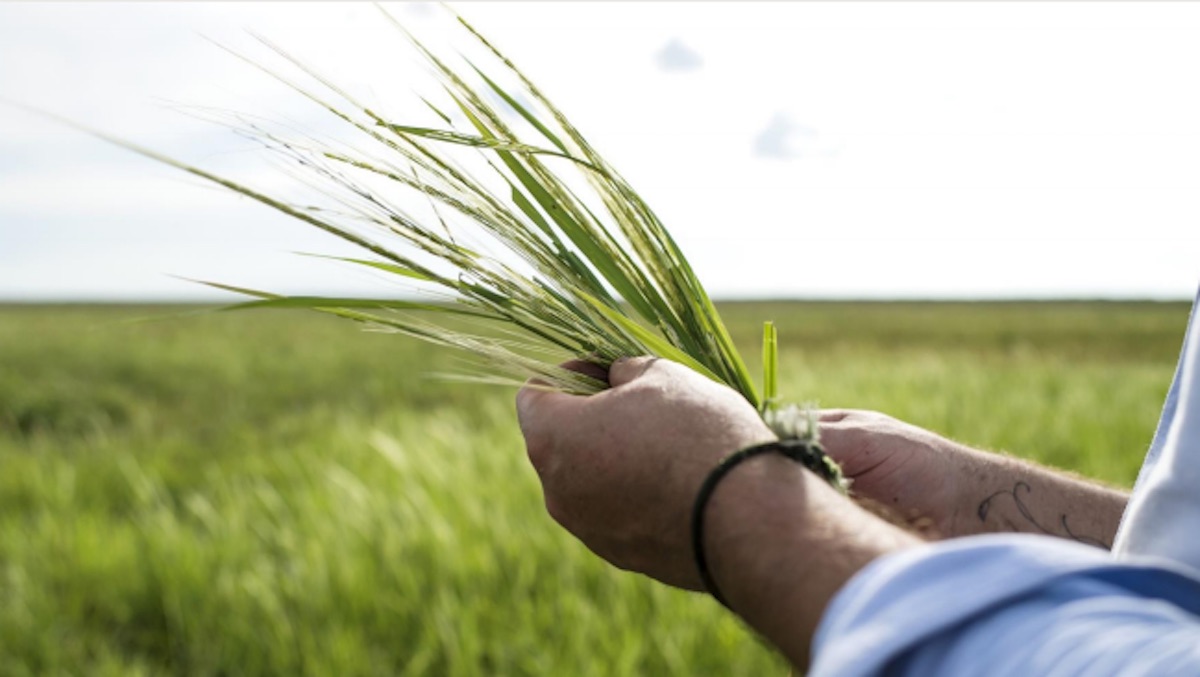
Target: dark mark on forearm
1015, 493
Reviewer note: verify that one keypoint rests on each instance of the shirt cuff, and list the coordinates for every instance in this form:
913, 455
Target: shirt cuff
904, 599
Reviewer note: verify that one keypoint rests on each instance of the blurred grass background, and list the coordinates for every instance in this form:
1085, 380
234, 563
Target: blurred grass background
279, 493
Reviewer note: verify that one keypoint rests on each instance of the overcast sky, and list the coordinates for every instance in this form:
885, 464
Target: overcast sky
794, 150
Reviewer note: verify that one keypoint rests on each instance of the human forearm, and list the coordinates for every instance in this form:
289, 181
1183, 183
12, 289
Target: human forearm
949, 489
997, 493
781, 543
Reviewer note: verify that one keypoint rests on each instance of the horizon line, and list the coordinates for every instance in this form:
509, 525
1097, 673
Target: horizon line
997, 299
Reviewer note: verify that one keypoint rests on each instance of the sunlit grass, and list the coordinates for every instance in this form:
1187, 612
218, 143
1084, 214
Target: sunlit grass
275, 493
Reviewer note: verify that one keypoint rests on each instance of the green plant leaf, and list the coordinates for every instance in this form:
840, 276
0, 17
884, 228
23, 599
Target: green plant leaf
654, 343
770, 360
380, 265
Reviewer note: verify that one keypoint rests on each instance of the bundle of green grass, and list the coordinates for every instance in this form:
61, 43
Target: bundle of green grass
553, 256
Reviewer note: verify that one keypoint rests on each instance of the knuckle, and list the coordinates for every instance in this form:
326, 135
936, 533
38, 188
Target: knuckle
633, 369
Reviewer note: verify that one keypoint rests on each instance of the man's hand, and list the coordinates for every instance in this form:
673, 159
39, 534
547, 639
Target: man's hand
922, 477
911, 472
621, 468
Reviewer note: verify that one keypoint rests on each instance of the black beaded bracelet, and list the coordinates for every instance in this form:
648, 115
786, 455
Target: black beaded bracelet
805, 452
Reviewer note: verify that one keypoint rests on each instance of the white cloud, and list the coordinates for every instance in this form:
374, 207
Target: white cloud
784, 139
418, 9
676, 57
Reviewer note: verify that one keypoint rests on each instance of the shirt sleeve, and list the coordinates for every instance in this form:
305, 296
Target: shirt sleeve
1163, 514
1011, 604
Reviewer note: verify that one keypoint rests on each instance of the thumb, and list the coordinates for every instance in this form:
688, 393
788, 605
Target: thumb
628, 369
528, 398
537, 401
541, 407
537, 395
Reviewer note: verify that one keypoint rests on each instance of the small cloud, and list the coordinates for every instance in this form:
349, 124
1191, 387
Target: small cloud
676, 57
784, 139
418, 9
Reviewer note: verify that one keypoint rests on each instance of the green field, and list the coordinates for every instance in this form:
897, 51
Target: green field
280, 493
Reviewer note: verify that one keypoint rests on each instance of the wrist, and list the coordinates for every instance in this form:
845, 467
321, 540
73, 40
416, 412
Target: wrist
780, 543
759, 500
936, 501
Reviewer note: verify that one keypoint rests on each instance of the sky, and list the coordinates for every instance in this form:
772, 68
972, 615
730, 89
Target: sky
795, 150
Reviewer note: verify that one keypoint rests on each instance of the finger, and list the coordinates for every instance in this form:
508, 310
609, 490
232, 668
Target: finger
833, 415
528, 394
628, 369
835, 440
844, 444
538, 401
542, 415
534, 393
541, 408
587, 369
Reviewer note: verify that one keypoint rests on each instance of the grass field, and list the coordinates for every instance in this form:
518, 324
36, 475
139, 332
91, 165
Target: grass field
279, 493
